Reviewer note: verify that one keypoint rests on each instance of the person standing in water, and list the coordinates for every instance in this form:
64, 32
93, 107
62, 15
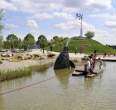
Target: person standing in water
87, 67
101, 63
91, 63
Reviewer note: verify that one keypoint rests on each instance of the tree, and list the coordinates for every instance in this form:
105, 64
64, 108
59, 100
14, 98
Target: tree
20, 44
1, 16
12, 40
6, 45
55, 38
42, 41
1, 42
1, 27
89, 35
29, 40
58, 39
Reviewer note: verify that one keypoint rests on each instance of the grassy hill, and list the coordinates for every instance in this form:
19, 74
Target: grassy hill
84, 45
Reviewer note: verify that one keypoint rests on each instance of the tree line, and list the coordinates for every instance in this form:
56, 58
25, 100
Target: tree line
13, 42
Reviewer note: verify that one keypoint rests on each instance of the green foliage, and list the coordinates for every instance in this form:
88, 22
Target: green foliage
41, 68
1, 42
29, 40
11, 74
89, 35
0, 62
1, 27
12, 41
76, 37
42, 41
59, 41
20, 44
55, 38
1, 16
7, 45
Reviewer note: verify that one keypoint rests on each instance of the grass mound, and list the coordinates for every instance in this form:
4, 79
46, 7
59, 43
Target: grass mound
84, 46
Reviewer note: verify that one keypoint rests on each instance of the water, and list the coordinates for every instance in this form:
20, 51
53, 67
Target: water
61, 92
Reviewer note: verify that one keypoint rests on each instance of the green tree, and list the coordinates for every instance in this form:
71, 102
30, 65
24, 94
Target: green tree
1, 42
29, 40
6, 44
1, 27
89, 35
20, 44
1, 16
55, 38
12, 40
58, 43
42, 41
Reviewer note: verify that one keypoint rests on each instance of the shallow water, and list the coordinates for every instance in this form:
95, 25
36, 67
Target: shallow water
58, 90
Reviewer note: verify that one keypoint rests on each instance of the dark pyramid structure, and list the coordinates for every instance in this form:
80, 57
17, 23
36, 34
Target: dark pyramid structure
63, 60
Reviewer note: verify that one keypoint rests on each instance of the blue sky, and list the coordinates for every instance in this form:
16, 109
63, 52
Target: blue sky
57, 17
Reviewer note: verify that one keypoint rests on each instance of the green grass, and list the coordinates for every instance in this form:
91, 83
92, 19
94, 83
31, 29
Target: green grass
0, 62
87, 45
13, 74
40, 68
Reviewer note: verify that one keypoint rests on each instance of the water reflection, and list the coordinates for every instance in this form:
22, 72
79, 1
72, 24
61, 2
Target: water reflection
1, 103
13, 84
41, 68
63, 76
88, 83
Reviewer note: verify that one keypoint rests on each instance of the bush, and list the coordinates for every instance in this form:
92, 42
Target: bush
0, 62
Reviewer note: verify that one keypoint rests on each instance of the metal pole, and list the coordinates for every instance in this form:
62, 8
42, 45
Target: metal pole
80, 17
81, 28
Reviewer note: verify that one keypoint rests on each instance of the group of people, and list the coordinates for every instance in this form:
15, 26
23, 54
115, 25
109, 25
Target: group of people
90, 63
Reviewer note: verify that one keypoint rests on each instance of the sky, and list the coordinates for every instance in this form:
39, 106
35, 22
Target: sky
57, 17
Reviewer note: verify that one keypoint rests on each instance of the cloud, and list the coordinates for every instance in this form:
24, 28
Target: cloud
111, 24
49, 9
105, 37
11, 26
42, 16
45, 6
74, 24
36, 6
4, 4
54, 15
32, 24
63, 15
104, 16
90, 4
99, 3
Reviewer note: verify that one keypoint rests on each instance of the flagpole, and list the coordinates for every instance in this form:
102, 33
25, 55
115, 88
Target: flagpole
81, 28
